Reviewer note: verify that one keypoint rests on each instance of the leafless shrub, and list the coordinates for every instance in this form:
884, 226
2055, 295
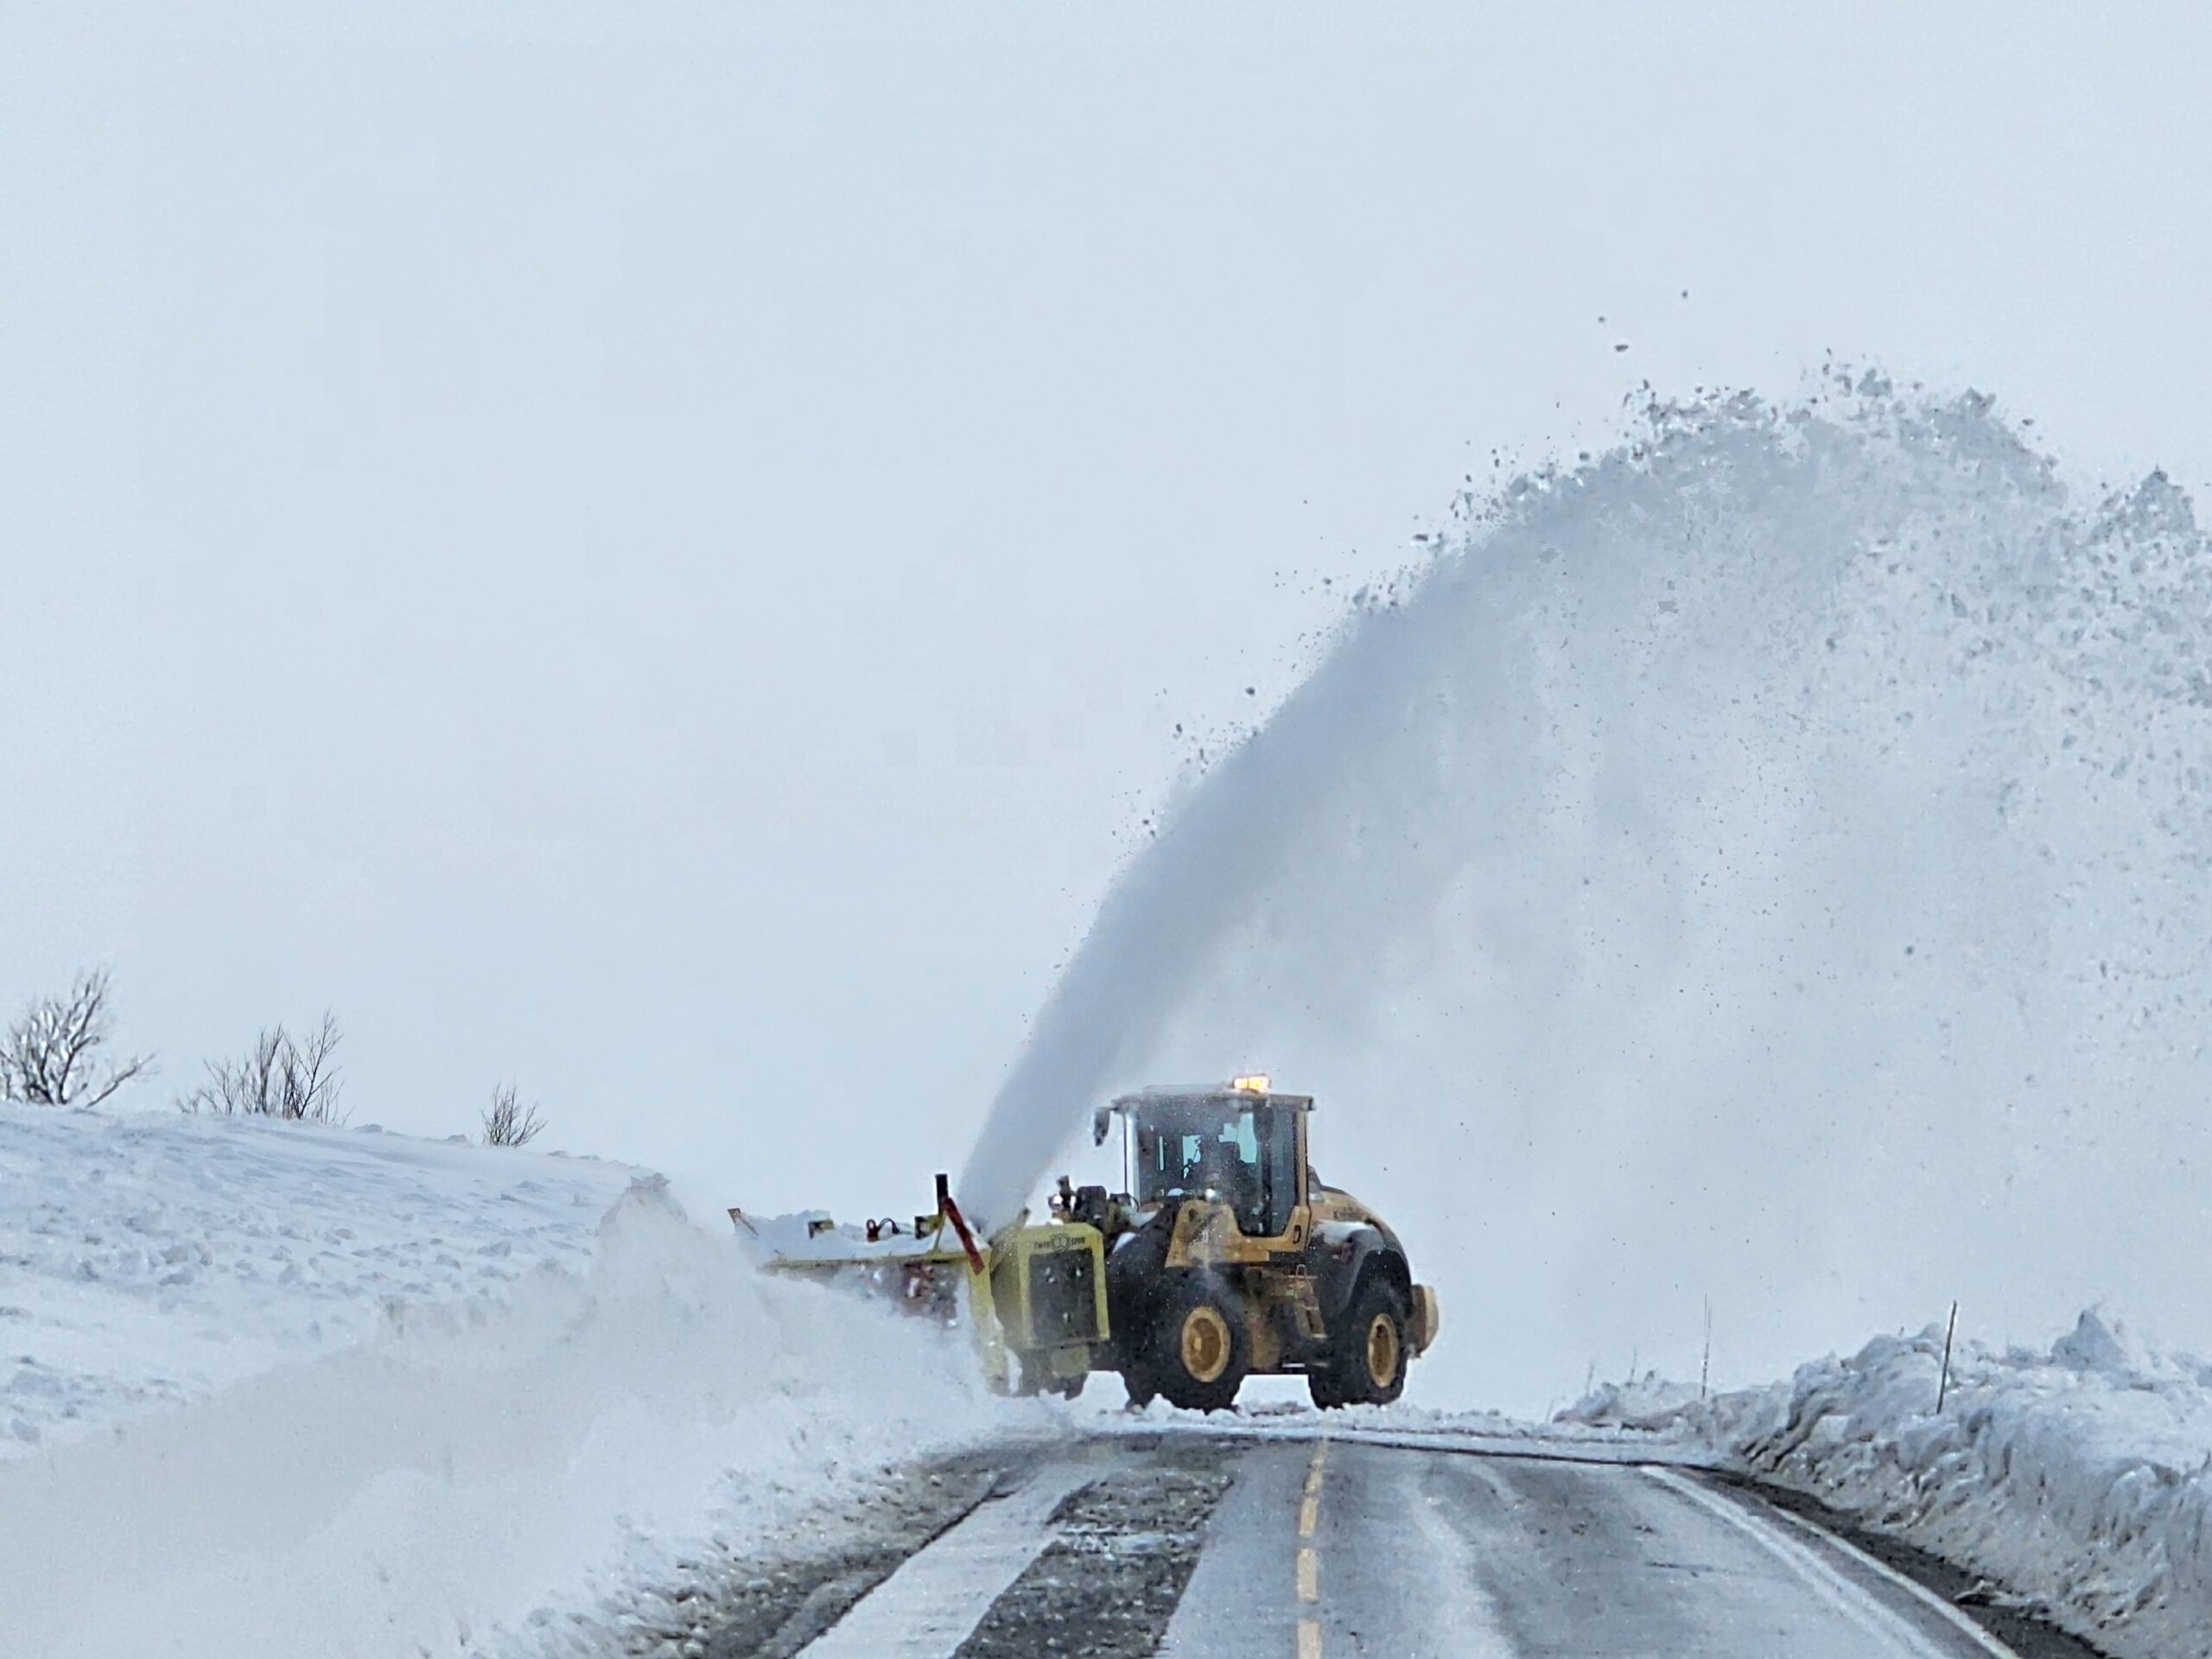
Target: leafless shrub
509, 1123
51, 1056
278, 1076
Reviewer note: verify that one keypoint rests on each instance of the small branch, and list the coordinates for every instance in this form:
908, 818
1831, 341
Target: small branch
276, 1078
507, 1122
50, 1057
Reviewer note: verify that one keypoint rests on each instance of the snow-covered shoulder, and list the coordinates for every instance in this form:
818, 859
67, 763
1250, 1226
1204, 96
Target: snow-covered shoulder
395, 1396
2077, 1481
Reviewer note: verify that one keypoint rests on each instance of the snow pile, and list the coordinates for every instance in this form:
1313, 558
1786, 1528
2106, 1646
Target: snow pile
151, 1260
1762, 863
2079, 1479
1643, 1403
485, 1473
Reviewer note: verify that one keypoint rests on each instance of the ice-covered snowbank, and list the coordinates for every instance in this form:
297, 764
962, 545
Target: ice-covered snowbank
508, 1458
2079, 1479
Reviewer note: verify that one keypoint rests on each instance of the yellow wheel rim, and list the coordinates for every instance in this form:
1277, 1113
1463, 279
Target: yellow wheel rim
1205, 1344
1383, 1350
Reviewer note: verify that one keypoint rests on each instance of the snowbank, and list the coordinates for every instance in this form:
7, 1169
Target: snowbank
519, 1446
2080, 1479
147, 1262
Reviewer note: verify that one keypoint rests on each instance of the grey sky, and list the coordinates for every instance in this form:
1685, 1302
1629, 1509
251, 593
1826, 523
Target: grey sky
662, 559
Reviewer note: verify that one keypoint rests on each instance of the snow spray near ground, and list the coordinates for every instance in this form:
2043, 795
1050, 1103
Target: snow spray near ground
508, 1472
1767, 862
2080, 1479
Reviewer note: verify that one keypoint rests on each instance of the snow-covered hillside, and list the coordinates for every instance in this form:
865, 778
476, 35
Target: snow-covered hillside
269, 1389
2078, 1480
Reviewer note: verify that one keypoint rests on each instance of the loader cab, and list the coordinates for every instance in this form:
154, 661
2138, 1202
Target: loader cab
1242, 1146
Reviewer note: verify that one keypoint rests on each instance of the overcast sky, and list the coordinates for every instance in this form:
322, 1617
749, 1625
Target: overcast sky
659, 552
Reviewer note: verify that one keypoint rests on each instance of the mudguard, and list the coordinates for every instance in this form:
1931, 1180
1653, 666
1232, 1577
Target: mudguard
1344, 1255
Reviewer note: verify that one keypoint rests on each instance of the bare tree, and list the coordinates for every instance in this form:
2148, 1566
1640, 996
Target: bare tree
279, 1077
509, 1123
50, 1057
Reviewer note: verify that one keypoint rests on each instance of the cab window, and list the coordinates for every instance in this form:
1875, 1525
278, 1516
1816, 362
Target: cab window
1244, 1156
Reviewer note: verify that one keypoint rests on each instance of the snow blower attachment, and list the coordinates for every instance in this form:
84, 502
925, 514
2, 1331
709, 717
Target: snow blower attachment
1034, 1294
1225, 1257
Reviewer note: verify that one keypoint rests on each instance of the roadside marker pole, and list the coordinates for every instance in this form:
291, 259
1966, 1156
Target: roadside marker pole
1943, 1388
1705, 1366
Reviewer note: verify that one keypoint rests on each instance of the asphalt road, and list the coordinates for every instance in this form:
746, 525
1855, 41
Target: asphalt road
1198, 1546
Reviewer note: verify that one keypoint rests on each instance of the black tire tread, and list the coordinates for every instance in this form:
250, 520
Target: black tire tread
1162, 1367
1345, 1369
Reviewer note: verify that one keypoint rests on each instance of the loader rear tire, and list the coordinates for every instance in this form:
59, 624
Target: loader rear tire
1200, 1350
1367, 1365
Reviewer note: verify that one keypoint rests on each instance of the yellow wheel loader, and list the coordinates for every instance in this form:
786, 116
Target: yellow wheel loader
1224, 1257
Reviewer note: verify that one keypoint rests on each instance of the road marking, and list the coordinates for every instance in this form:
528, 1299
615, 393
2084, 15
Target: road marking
1920, 1593
1309, 1563
939, 1594
1844, 1594
1841, 1596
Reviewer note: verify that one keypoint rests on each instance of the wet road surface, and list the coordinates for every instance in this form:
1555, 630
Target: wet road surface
1193, 1545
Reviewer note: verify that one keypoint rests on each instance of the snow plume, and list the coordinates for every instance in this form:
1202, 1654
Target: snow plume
482, 1479
1765, 862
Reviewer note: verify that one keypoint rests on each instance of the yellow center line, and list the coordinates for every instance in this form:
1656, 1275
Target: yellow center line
1309, 1563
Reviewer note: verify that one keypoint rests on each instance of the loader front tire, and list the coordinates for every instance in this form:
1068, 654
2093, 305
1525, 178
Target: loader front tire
1200, 1350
